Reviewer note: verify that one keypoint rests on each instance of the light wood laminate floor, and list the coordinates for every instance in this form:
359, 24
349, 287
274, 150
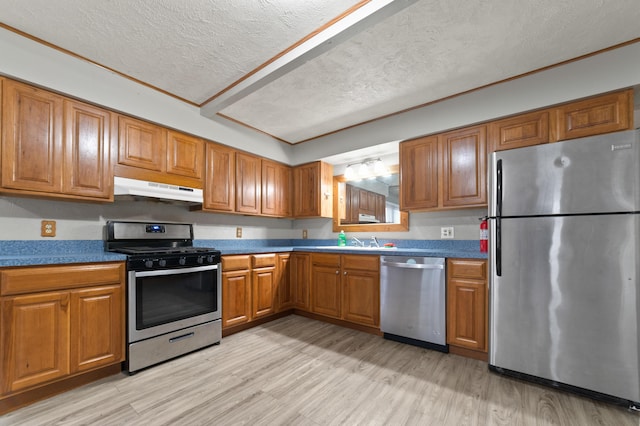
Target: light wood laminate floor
298, 371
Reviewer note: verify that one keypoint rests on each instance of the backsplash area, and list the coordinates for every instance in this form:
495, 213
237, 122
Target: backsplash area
20, 219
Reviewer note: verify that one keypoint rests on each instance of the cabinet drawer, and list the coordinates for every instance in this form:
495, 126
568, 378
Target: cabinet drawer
465, 268
362, 262
263, 260
235, 263
45, 278
326, 259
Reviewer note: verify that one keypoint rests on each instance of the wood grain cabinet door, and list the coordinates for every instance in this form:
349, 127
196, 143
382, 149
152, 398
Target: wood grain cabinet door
185, 155
466, 328
32, 138
300, 277
236, 298
519, 131
361, 301
284, 285
97, 327
419, 174
276, 189
87, 150
326, 292
35, 339
248, 183
464, 165
220, 175
598, 115
263, 281
141, 144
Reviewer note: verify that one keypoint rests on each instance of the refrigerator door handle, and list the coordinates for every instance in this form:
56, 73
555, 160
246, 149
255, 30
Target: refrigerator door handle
499, 188
498, 241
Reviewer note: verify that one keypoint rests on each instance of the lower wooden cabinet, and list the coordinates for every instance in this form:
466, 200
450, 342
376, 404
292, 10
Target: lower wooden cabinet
236, 290
263, 285
467, 304
346, 287
284, 285
58, 321
301, 280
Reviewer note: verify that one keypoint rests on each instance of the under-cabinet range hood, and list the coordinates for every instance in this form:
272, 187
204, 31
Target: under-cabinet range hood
134, 189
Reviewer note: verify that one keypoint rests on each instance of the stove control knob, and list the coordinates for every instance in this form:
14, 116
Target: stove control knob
200, 260
148, 263
182, 260
210, 259
162, 263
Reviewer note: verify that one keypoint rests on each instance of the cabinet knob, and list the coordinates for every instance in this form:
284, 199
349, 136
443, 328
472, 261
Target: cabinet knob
337, 272
345, 272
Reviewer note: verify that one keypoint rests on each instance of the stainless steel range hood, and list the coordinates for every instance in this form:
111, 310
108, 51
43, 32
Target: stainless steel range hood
134, 189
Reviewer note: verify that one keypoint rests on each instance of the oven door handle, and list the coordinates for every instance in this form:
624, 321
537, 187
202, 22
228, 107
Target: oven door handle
177, 271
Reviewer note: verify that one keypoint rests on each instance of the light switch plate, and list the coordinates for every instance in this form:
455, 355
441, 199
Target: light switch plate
304, 234
238, 232
446, 232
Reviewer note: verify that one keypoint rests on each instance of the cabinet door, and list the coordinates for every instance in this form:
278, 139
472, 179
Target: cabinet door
284, 287
467, 313
284, 188
326, 293
32, 138
276, 188
464, 164
361, 297
419, 174
185, 155
602, 114
522, 130
220, 189
248, 183
35, 339
97, 327
312, 190
300, 277
141, 144
381, 208
236, 298
87, 150
263, 282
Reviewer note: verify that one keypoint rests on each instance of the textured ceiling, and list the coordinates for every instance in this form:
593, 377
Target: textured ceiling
421, 51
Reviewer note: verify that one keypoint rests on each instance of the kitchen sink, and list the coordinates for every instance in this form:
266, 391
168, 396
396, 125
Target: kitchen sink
356, 248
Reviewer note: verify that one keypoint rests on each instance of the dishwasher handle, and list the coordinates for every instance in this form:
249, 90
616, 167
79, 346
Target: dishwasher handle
411, 265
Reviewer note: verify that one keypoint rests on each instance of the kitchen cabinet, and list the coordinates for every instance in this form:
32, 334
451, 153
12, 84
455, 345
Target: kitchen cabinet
54, 146
248, 183
284, 283
360, 201
597, 115
236, 290
464, 165
263, 280
276, 189
220, 175
346, 287
301, 280
312, 190
467, 306
519, 131
59, 321
419, 174
444, 171
150, 152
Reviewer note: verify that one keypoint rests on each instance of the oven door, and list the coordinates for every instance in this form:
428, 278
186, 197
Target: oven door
167, 300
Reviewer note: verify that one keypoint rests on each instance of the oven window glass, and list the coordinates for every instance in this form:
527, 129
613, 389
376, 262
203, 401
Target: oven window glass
166, 298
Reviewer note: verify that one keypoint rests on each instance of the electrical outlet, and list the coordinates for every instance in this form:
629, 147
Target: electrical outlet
238, 232
304, 234
48, 228
446, 232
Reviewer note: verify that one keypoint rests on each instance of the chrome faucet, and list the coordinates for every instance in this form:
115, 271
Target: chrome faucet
374, 242
356, 242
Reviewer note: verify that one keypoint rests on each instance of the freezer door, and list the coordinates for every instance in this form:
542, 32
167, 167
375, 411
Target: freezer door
566, 306
598, 174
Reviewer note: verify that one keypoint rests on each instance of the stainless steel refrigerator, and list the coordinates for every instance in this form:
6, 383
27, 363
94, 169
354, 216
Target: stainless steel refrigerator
564, 250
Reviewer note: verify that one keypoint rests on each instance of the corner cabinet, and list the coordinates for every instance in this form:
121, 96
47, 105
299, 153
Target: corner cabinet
312, 190
467, 306
54, 146
58, 322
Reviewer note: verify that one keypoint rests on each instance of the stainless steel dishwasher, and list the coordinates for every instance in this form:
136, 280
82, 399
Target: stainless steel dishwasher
413, 301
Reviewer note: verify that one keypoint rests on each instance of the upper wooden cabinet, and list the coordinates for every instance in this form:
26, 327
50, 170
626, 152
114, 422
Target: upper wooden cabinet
220, 177
593, 116
419, 174
444, 171
312, 190
151, 152
519, 131
55, 146
276, 189
464, 165
248, 183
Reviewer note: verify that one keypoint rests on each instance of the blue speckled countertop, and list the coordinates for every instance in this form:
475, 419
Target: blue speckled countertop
37, 252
